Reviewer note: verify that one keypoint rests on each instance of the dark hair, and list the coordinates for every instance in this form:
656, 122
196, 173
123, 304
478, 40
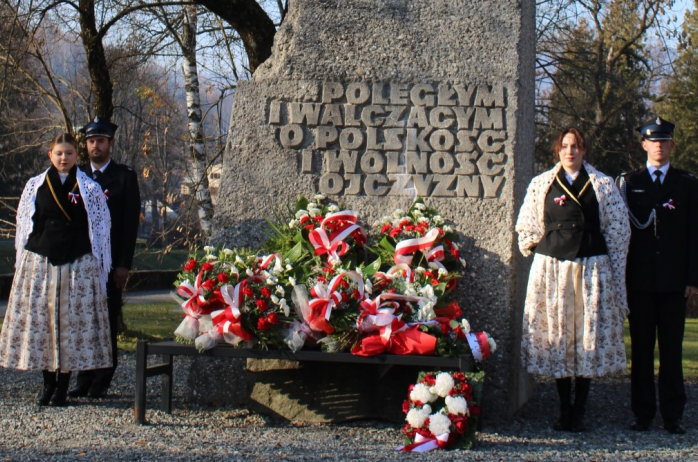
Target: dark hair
63, 138
557, 146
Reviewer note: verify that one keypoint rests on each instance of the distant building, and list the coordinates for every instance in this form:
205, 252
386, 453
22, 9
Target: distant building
214, 183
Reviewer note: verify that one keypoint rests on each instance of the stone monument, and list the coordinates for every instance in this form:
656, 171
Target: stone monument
375, 102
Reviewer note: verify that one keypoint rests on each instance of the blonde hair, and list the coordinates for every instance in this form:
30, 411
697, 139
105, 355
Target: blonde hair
63, 138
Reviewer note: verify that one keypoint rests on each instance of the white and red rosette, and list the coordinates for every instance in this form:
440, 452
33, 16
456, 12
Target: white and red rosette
195, 306
479, 345
669, 204
405, 250
333, 245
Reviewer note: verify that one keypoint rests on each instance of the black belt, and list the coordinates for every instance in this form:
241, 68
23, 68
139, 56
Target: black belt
557, 226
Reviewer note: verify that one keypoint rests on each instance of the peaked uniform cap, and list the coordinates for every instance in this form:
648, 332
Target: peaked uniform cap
99, 127
658, 129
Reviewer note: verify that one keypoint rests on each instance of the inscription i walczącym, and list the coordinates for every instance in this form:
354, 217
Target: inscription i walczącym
399, 139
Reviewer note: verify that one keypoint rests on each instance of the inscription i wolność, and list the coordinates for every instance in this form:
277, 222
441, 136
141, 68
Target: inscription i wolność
399, 139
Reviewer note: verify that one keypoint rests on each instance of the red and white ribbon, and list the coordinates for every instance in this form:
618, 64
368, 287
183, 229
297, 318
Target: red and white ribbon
669, 204
424, 444
334, 245
560, 200
326, 297
404, 250
401, 269
479, 345
192, 293
73, 197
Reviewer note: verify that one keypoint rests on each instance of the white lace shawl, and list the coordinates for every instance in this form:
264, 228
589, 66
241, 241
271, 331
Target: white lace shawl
98, 219
613, 214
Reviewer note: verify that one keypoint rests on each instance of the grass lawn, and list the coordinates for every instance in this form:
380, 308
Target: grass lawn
157, 321
143, 259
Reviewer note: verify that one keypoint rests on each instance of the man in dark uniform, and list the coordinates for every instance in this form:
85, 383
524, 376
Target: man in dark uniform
662, 272
120, 186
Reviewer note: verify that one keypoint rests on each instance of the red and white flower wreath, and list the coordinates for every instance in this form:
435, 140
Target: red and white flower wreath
429, 427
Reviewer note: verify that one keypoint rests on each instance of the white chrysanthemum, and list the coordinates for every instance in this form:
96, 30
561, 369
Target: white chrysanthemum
422, 220
284, 306
292, 281
447, 229
437, 219
332, 208
439, 424
271, 280
427, 291
417, 214
398, 213
420, 206
274, 299
209, 257
314, 211
239, 260
301, 213
442, 272
417, 417
209, 249
293, 223
493, 344
456, 405
420, 269
227, 252
319, 197
280, 290
421, 393
466, 326
249, 272
443, 385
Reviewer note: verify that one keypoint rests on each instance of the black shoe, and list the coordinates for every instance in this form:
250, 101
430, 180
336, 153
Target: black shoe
675, 428
60, 396
45, 394
78, 391
97, 392
640, 425
578, 425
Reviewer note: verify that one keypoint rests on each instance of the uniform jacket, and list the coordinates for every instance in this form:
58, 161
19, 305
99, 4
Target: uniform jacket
664, 255
120, 186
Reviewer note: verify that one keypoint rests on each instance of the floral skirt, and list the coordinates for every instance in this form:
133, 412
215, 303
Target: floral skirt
572, 326
56, 317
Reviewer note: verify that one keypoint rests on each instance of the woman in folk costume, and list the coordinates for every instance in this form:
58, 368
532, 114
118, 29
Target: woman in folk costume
56, 318
574, 220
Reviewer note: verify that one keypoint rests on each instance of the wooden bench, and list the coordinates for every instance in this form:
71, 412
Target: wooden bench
169, 349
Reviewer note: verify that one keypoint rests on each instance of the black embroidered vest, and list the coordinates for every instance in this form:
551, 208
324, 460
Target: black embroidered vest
572, 227
53, 235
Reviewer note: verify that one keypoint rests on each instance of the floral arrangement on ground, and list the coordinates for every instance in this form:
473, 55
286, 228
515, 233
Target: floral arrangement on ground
322, 281
442, 410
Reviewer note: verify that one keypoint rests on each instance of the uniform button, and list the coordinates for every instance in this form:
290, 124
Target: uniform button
574, 225
559, 226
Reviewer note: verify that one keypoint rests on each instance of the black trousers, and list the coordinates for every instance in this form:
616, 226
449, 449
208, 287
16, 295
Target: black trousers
103, 377
657, 317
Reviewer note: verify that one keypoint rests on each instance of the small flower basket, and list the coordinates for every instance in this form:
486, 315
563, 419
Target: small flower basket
442, 410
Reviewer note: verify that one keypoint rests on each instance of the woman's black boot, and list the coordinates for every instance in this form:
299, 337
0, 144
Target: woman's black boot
48, 388
564, 390
581, 391
61, 394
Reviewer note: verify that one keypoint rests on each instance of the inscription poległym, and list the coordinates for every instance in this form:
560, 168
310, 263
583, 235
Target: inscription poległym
381, 139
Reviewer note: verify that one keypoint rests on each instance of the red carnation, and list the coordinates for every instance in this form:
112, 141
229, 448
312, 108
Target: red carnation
309, 227
318, 219
461, 425
247, 292
305, 219
209, 284
206, 267
395, 232
356, 294
191, 265
406, 406
265, 292
263, 324
445, 328
385, 227
430, 379
408, 431
322, 278
434, 282
222, 278
273, 319
343, 283
455, 253
261, 305
345, 297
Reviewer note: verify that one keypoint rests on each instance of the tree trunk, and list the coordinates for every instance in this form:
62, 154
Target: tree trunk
100, 79
196, 139
253, 24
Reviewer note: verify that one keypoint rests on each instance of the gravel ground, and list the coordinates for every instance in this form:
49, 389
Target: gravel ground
104, 430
